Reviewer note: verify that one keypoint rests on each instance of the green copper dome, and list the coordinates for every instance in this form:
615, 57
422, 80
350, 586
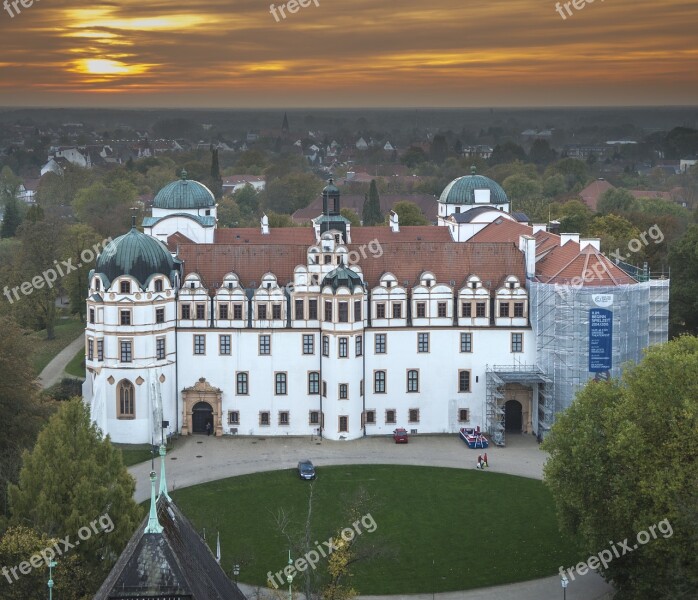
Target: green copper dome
462, 190
135, 254
184, 194
342, 277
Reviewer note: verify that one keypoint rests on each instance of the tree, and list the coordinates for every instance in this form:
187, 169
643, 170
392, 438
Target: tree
506, 153
616, 201
409, 214
541, 153
520, 187
683, 297
291, 192
554, 186
439, 149
574, 217
574, 171
9, 188
371, 213
71, 478
77, 240
606, 471
216, 182
106, 206
615, 233
350, 214
413, 157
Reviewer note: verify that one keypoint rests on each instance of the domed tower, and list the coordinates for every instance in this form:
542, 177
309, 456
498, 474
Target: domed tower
185, 206
130, 339
331, 218
468, 192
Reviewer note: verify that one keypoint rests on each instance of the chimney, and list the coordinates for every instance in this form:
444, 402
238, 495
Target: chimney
394, 222
265, 225
538, 227
527, 245
554, 227
566, 237
594, 242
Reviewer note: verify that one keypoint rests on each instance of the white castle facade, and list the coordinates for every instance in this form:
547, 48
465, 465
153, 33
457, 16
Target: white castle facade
348, 332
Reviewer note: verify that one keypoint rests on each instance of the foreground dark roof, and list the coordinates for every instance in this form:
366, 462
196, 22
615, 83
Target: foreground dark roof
172, 565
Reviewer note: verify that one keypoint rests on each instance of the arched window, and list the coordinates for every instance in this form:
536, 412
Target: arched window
125, 400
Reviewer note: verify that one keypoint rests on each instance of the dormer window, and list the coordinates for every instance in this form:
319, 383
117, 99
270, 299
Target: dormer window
125, 287
473, 285
230, 285
428, 282
328, 259
97, 284
192, 285
158, 285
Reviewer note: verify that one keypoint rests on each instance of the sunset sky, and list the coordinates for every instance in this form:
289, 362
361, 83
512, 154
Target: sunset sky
348, 53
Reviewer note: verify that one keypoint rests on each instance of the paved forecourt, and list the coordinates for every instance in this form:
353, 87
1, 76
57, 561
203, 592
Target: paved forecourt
199, 459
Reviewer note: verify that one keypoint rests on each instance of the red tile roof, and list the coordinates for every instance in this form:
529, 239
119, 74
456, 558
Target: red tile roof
501, 230
567, 264
591, 193
297, 236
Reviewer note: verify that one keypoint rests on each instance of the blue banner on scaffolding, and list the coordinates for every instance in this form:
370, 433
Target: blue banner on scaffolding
600, 340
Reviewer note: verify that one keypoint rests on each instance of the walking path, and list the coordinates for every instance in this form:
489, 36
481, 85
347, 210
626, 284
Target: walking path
199, 459
53, 372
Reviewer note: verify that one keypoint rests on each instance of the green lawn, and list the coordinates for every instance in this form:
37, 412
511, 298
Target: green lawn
44, 351
133, 454
76, 367
442, 529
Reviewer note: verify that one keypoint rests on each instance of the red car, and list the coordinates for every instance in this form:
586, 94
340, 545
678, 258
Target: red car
400, 436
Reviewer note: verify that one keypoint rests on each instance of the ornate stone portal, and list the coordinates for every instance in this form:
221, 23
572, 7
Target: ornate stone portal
202, 391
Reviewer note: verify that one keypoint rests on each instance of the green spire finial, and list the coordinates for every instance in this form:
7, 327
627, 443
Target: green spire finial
153, 523
473, 170
163, 481
183, 174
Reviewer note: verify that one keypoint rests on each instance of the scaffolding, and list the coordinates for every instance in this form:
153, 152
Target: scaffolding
497, 377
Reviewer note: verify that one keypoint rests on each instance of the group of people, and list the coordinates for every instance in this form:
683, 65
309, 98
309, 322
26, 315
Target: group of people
481, 461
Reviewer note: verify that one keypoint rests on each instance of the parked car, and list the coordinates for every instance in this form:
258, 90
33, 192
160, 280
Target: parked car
400, 436
306, 470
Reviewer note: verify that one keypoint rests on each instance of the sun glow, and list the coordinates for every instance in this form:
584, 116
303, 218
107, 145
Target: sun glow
105, 66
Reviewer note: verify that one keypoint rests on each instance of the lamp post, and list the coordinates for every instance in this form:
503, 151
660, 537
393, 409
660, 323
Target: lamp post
564, 582
289, 577
236, 572
51, 567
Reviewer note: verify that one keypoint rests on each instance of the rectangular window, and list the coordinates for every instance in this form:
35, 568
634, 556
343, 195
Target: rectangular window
343, 347
390, 416
413, 415
314, 417
125, 317
199, 344
328, 310
466, 309
308, 344
264, 344
200, 311
381, 343
241, 384
324, 389
463, 381
359, 345
92, 315
237, 312
380, 311
325, 345
159, 315
397, 310
361, 388
313, 383
276, 312
125, 287
160, 348
343, 312
186, 311
480, 309
422, 342
264, 418
262, 312
466, 342
223, 312
312, 310
463, 415
283, 417
224, 344
300, 309
343, 391
280, 384
503, 309
343, 424
421, 310
158, 285
412, 380
379, 382
126, 352
370, 417
441, 309
90, 349
357, 310
518, 309
233, 417
517, 342
100, 350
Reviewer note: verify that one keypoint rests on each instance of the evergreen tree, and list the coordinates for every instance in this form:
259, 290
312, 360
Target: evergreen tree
12, 219
216, 180
371, 213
